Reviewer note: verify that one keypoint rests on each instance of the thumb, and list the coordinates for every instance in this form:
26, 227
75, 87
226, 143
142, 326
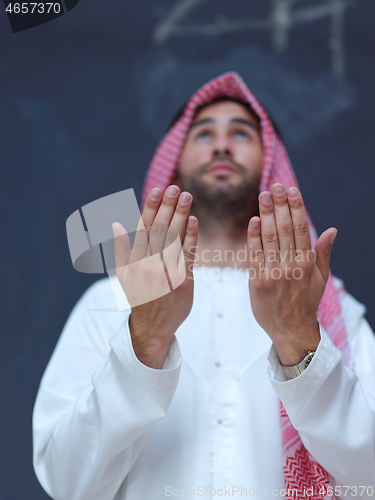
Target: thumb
323, 248
121, 245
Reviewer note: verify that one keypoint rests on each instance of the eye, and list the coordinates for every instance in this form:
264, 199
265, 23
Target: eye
242, 135
204, 135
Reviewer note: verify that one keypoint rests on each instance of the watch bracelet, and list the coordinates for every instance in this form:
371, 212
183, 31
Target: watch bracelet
294, 371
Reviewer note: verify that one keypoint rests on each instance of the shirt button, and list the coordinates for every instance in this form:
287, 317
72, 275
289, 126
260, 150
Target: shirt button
219, 421
218, 364
219, 315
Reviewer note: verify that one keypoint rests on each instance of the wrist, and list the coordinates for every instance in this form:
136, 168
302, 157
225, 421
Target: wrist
151, 350
292, 351
150, 355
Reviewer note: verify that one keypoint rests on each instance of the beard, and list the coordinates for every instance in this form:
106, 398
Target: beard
221, 198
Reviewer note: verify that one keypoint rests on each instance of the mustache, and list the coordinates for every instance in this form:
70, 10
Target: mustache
206, 166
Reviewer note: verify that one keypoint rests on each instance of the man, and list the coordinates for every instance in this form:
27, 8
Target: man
118, 416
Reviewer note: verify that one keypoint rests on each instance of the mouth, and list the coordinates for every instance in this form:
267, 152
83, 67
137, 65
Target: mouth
222, 168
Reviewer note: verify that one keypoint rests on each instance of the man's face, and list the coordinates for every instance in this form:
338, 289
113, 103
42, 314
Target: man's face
222, 158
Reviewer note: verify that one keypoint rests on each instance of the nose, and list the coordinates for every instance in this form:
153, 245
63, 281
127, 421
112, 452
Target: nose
222, 146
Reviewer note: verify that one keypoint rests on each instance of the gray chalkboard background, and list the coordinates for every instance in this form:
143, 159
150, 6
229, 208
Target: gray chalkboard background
84, 101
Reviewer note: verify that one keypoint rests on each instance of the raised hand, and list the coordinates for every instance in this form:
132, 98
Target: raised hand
287, 278
157, 273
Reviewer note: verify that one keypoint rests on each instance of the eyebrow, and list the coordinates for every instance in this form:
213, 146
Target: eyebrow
243, 121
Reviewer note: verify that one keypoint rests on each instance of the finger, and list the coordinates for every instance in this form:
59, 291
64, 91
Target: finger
284, 223
255, 249
179, 220
121, 245
323, 248
163, 219
301, 229
189, 247
268, 230
140, 247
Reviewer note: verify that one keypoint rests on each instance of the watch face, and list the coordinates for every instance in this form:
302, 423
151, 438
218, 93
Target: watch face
308, 361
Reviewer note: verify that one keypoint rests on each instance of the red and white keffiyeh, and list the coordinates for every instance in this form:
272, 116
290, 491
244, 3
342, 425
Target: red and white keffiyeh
301, 471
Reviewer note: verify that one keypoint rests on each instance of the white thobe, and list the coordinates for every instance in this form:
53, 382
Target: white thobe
105, 426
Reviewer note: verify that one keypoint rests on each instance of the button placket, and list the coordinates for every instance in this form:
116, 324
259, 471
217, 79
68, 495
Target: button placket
228, 399
220, 316
218, 420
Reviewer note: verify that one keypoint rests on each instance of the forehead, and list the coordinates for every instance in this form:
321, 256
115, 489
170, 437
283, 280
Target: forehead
224, 112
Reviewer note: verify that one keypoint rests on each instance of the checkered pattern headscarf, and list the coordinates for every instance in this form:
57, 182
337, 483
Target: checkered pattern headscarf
301, 471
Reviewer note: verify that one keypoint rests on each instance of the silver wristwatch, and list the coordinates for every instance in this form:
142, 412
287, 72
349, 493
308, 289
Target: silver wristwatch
294, 371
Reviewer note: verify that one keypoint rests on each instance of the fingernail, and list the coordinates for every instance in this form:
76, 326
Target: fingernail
293, 193
278, 189
155, 194
266, 198
172, 190
192, 221
185, 198
255, 222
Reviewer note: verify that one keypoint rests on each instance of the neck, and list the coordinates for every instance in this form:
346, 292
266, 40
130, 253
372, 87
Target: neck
222, 241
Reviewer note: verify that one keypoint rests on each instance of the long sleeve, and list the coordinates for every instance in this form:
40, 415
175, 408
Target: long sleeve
96, 402
333, 406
